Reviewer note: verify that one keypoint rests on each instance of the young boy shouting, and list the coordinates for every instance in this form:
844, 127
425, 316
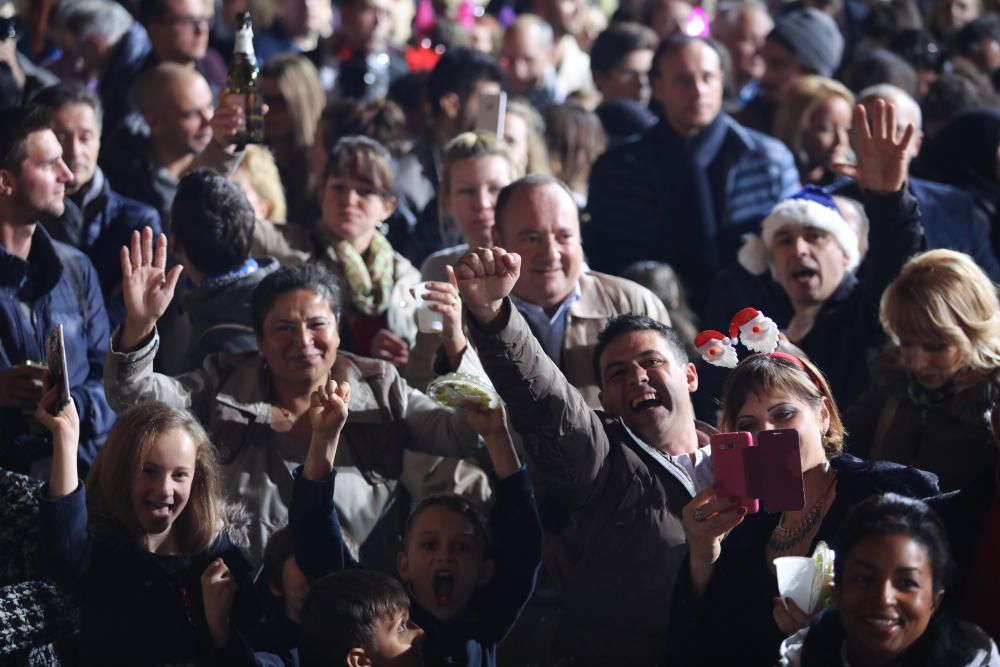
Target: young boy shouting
468, 584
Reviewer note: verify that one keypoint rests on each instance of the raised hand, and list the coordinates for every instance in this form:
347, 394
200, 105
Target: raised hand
328, 412
882, 162
147, 287
443, 297
218, 589
65, 429
492, 426
485, 277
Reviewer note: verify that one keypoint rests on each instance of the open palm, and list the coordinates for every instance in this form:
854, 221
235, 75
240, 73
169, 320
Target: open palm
147, 288
882, 156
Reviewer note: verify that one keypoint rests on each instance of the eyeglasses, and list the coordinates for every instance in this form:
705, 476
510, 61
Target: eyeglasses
192, 22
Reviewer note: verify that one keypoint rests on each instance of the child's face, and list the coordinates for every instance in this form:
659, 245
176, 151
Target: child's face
443, 561
886, 597
352, 209
397, 642
475, 184
160, 490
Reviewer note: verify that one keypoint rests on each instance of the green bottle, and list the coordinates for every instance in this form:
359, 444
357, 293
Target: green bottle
241, 84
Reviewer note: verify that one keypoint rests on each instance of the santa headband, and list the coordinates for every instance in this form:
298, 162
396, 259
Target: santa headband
812, 207
757, 333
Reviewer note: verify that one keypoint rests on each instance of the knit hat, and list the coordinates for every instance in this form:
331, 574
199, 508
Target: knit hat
811, 206
813, 37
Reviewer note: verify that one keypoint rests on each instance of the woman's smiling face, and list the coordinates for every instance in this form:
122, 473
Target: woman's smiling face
886, 597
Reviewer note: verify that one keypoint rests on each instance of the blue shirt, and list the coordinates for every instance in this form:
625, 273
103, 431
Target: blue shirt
549, 331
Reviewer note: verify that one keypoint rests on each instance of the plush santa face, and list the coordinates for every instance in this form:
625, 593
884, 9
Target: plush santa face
716, 349
759, 333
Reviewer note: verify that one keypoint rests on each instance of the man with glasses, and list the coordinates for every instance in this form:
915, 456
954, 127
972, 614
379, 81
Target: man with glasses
28, 76
178, 31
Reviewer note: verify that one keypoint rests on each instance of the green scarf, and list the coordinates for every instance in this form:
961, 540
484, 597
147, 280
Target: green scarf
369, 283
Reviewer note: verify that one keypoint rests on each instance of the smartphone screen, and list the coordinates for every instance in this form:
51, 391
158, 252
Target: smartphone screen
729, 462
55, 349
492, 109
780, 471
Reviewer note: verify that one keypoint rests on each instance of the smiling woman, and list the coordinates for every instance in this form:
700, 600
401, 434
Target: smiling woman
890, 580
255, 405
735, 577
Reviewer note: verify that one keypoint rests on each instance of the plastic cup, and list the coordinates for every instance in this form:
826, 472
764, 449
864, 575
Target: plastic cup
428, 321
795, 580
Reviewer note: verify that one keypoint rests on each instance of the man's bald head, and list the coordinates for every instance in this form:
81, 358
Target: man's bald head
159, 84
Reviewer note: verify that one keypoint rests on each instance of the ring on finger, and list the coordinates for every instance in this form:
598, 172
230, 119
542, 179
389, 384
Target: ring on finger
699, 515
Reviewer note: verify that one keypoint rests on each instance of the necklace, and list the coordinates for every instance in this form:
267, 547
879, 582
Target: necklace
783, 539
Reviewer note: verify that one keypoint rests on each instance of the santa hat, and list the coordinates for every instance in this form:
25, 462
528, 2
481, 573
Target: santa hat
706, 340
745, 316
811, 206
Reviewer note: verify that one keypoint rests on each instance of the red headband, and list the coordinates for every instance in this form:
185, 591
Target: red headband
798, 362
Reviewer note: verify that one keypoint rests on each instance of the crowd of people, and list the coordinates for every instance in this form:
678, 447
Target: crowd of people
244, 464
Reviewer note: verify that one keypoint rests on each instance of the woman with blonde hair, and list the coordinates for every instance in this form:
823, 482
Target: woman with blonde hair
938, 379
524, 132
292, 91
257, 176
813, 120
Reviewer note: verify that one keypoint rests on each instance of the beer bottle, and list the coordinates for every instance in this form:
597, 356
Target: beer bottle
241, 84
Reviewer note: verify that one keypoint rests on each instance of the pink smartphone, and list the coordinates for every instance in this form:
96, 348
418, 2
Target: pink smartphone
729, 461
780, 470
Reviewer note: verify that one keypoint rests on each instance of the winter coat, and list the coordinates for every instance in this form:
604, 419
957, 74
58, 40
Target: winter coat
61, 286
627, 501
950, 437
137, 607
640, 211
229, 395
35, 614
100, 228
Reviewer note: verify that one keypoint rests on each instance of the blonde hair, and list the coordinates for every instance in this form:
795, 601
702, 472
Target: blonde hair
942, 295
538, 156
465, 146
121, 458
797, 107
760, 373
300, 86
258, 163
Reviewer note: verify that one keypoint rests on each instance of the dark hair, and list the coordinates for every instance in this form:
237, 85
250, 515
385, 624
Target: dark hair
213, 221
679, 40
919, 48
887, 18
944, 641
951, 94
340, 612
10, 93
458, 71
882, 66
459, 506
575, 139
153, 10
364, 159
620, 325
66, 93
288, 279
529, 181
617, 41
970, 37
382, 120
16, 123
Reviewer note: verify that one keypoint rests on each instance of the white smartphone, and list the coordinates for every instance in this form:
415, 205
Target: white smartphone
492, 108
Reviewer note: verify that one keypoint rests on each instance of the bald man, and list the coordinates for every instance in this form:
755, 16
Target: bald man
176, 104
528, 56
